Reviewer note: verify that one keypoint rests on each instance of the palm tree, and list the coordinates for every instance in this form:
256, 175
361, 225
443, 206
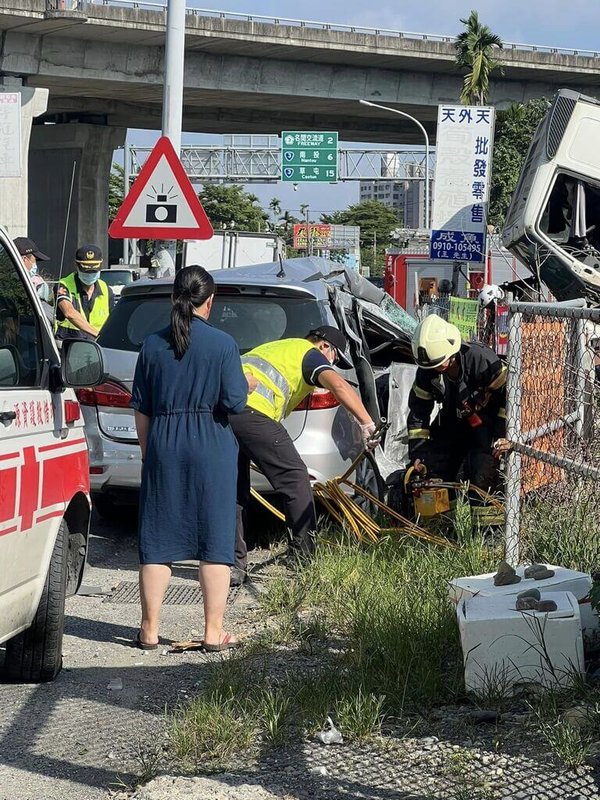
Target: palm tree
474, 48
288, 219
275, 207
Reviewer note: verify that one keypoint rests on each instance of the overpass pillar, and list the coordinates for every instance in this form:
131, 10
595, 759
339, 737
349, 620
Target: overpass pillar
57, 154
13, 191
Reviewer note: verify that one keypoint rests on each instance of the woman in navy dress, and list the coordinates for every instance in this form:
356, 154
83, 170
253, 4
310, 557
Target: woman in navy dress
188, 379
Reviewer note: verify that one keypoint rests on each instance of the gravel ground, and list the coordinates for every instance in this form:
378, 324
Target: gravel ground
85, 738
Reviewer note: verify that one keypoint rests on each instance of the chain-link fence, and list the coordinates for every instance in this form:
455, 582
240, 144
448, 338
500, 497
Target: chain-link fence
553, 423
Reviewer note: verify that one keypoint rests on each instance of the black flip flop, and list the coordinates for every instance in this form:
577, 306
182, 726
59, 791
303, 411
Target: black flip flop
142, 645
226, 644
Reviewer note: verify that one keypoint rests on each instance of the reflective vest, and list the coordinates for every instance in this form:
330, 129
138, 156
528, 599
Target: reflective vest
100, 309
278, 368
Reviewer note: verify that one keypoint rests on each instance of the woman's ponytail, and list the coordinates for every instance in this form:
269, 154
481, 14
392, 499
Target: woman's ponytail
192, 288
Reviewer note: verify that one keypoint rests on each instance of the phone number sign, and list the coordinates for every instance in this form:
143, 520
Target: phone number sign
457, 245
309, 156
465, 138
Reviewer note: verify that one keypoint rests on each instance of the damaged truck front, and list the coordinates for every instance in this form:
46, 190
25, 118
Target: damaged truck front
553, 222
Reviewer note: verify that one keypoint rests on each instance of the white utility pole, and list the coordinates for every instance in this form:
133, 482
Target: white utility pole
126, 179
172, 112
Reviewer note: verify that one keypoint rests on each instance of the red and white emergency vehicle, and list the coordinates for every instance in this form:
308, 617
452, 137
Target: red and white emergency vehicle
44, 475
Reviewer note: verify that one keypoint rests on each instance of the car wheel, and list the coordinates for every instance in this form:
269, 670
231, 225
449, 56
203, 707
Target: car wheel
35, 655
369, 478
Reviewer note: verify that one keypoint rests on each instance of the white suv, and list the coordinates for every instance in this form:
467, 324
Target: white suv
44, 478
254, 304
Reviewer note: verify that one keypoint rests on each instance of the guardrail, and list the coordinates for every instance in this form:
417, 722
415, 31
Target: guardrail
72, 5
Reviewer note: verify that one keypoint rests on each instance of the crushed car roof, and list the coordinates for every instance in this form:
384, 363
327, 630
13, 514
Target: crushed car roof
312, 276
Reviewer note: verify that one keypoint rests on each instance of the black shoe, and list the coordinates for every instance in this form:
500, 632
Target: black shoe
238, 576
296, 558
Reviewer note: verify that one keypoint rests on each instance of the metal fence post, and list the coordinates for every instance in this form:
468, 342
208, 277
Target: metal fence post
513, 431
582, 371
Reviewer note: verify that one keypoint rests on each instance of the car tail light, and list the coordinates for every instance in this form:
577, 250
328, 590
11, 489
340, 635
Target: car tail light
318, 400
106, 394
72, 411
97, 470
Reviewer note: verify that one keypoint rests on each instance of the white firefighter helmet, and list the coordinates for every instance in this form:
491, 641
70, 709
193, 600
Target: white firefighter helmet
489, 293
435, 341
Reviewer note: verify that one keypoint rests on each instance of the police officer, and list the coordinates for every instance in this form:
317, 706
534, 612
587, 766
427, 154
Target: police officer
281, 375
469, 383
30, 254
83, 300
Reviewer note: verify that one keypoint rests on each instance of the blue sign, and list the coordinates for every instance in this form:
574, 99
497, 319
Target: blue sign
457, 245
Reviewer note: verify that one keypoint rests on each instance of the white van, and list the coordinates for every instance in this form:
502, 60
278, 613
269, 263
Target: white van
44, 475
553, 222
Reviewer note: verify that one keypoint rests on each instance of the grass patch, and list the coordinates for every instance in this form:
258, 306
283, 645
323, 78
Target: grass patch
373, 638
572, 746
565, 532
568, 721
210, 731
389, 604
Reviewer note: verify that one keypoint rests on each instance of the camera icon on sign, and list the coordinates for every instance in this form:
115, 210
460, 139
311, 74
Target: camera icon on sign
161, 211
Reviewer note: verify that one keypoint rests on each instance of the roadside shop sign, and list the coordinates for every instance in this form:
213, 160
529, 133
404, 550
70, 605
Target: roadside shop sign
161, 203
327, 237
309, 156
10, 135
465, 138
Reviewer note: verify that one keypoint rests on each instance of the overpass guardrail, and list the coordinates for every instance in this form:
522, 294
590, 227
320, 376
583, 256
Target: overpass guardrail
238, 16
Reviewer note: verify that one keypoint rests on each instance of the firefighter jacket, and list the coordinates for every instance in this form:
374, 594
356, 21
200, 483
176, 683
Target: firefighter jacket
480, 388
278, 369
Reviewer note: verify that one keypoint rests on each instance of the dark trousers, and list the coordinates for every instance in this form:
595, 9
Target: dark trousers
460, 452
268, 445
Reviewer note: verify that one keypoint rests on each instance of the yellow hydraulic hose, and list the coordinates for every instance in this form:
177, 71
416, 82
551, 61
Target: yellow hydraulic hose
348, 513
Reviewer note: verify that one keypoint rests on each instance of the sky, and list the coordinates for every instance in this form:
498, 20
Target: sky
574, 24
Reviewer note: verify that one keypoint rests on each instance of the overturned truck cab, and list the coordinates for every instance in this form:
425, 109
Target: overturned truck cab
553, 222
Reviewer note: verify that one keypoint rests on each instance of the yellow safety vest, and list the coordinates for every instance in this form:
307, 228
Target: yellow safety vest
278, 368
100, 309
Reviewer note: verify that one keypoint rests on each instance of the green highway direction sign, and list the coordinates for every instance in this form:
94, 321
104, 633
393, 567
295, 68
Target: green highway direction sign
309, 156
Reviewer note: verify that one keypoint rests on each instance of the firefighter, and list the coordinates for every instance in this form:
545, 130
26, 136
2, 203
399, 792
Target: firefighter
83, 300
468, 381
489, 297
281, 375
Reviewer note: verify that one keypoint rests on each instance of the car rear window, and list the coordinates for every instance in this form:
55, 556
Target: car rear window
116, 277
250, 320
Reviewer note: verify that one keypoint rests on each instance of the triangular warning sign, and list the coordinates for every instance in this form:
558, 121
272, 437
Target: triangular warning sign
161, 203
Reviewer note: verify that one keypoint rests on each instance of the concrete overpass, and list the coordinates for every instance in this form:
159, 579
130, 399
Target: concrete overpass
102, 66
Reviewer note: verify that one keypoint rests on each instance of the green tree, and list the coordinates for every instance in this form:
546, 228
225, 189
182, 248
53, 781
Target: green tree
514, 131
474, 52
275, 209
232, 207
116, 184
376, 223
285, 227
